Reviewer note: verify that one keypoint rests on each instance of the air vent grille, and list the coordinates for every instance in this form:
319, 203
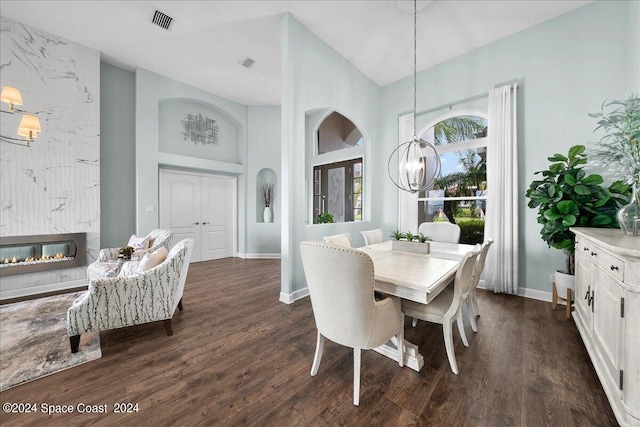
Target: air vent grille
247, 62
162, 20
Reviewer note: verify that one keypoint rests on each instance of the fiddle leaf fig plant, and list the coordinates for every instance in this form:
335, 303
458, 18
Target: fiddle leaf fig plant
566, 197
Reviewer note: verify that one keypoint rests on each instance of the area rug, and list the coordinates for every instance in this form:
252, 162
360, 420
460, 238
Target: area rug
34, 341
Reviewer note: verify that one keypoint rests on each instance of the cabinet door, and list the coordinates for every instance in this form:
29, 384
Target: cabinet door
607, 321
583, 291
631, 353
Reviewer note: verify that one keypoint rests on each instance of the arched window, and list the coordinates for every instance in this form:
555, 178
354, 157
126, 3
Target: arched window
459, 196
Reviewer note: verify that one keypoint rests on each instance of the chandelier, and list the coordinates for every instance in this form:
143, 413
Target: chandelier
418, 161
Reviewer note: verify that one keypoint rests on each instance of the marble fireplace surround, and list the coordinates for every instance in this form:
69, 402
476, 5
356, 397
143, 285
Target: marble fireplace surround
53, 186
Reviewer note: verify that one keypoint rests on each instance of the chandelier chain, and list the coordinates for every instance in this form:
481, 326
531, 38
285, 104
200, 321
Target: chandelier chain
415, 55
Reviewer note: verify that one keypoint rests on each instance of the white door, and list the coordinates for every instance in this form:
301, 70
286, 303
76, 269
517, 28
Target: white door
217, 217
201, 207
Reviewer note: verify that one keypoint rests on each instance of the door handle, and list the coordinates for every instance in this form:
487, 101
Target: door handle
196, 223
205, 223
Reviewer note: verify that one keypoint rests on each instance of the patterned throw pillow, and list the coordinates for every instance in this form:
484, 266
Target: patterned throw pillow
139, 243
153, 259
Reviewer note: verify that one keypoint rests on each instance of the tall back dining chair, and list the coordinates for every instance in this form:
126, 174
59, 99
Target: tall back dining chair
441, 231
472, 303
340, 282
343, 239
372, 236
447, 306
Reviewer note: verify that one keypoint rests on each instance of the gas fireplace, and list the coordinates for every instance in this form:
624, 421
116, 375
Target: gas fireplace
27, 254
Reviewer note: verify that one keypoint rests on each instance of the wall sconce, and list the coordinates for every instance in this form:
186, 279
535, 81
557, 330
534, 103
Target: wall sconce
29, 126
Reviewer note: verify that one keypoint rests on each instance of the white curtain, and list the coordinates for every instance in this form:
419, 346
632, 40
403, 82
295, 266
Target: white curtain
501, 220
407, 202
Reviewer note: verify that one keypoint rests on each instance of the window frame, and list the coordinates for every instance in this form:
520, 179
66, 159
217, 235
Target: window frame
469, 144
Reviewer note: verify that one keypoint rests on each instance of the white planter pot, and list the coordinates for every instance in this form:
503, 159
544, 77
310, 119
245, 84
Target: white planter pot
266, 215
563, 282
417, 247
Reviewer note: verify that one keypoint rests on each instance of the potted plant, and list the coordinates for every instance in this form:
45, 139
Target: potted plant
619, 152
567, 197
126, 252
409, 242
267, 195
324, 218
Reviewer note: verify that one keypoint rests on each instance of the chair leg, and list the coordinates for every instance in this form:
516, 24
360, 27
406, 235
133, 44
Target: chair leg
75, 343
356, 375
474, 304
318, 357
167, 327
400, 339
472, 315
448, 343
414, 322
180, 304
460, 323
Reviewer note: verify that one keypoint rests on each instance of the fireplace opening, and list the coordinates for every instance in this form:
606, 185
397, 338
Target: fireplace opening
26, 254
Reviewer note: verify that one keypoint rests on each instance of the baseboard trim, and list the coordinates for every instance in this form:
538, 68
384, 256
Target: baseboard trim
258, 256
527, 293
295, 296
41, 289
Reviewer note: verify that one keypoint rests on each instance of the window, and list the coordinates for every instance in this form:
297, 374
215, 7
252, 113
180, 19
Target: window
337, 133
460, 194
337, 189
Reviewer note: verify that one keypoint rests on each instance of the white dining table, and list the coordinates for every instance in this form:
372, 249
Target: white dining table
416, 277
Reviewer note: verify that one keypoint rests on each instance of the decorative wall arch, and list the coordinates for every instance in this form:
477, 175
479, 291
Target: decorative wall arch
266, 175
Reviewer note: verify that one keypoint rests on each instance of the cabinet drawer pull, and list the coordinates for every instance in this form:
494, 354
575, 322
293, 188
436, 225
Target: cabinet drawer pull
587, 295
585, 249
614, 267
593, 254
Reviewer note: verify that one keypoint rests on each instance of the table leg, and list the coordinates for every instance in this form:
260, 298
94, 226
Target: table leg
412, 358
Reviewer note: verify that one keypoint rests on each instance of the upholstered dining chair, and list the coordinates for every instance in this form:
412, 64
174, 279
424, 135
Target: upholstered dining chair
445, 232
470, 301
372, 236
447, 306
343, 239
340, 282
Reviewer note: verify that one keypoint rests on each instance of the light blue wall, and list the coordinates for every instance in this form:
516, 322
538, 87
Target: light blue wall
315, 76
565, 68
264, 153
634, 45
117, 156
151, 89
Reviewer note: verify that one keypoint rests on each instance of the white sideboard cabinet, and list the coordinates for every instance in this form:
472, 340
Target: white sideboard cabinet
607, 314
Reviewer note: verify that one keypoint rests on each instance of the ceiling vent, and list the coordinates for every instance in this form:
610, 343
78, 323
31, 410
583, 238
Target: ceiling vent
247, 62
162, 20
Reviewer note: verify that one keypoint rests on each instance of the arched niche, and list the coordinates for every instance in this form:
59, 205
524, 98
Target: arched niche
335, 163
194, 128
265, 176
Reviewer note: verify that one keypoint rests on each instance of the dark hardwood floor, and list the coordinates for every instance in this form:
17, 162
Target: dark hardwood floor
239, 357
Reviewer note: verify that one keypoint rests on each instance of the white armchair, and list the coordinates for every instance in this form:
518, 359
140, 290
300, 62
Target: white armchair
341, 282
116, 302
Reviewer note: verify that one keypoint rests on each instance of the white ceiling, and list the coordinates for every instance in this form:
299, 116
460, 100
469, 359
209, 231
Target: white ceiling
209, 38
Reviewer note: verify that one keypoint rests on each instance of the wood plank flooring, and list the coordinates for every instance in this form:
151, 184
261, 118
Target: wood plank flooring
239, 357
